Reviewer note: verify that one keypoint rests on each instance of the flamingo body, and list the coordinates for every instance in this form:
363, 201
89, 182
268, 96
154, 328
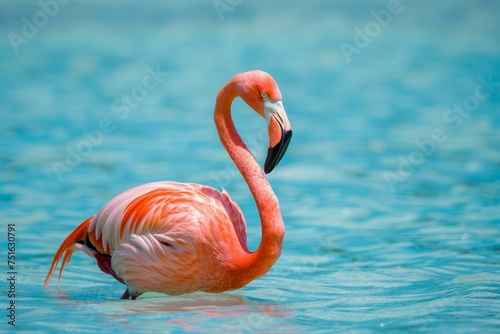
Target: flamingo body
178, 238
182, 234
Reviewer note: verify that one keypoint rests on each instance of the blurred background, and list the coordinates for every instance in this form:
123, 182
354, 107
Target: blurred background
390, 189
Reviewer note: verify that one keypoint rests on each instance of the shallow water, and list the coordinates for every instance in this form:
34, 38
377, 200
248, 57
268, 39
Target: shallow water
389, 192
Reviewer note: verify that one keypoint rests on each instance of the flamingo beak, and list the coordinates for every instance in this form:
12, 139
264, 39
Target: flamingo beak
280, 133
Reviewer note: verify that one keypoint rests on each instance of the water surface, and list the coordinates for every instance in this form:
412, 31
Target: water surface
390, 190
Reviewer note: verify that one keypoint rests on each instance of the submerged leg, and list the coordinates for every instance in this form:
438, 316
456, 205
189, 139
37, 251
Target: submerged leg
127, 295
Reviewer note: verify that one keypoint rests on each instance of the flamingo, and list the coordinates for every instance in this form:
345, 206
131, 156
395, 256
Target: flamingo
177, 238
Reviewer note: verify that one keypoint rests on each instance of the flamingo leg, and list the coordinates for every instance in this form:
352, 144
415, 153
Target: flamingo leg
127, 295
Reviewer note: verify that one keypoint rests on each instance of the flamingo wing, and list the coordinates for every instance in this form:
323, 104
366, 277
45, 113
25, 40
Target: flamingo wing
155, 208
161, 236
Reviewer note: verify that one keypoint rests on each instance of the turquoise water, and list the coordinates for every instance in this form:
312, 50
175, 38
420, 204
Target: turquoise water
390, 189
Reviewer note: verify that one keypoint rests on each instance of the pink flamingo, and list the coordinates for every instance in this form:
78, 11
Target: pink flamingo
177, 238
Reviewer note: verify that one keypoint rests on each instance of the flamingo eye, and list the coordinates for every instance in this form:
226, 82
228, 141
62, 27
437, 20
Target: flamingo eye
264, 95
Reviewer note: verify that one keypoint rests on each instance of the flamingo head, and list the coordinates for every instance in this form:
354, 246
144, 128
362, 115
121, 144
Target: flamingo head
259, 90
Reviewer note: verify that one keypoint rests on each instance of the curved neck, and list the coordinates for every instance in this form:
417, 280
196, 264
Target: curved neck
251, 265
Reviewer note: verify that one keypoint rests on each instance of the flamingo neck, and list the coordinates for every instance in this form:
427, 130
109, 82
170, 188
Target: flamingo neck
249, 266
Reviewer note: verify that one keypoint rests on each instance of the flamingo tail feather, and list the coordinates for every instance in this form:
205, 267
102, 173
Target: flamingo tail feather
66, 248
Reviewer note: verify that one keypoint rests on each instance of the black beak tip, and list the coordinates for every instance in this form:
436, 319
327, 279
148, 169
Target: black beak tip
268, 169
276, 153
